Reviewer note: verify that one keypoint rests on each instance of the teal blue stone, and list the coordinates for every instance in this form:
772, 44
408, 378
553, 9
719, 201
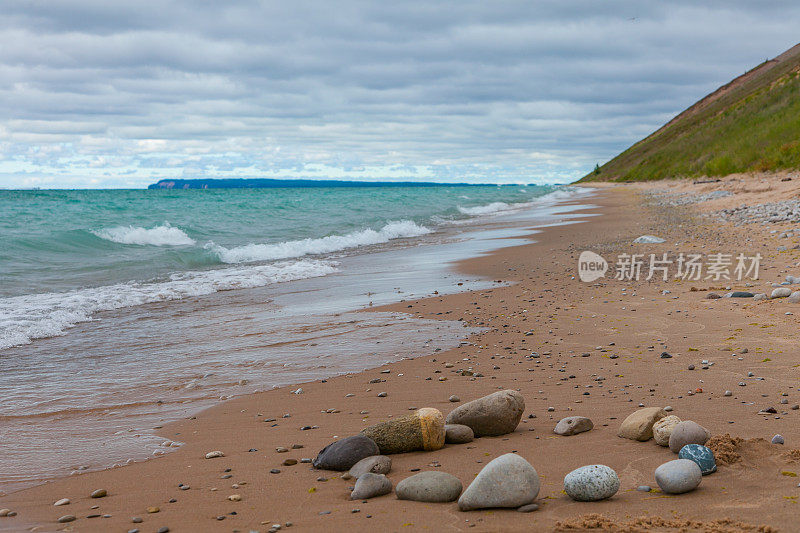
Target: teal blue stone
701, 455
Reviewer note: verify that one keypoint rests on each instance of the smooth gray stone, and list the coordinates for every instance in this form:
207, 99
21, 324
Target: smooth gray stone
781, 292
531, 507
377, 464
506, 481
572, 425
371, 485
777, 439
496, 414
687, 432
432, 486
678, 476
343, 454
458, 434
591, 483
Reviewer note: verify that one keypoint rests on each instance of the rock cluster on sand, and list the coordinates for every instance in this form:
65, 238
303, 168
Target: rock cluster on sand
639, 424
496, 414
371, 485
429, 487
458, 434
701, 455
421, 430
591, 483
662, 429
687, 432
343, 454
507, 481
678, 476
572, 425
376, 464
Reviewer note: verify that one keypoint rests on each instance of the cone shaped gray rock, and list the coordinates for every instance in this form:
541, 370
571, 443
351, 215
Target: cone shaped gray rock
496, 414
507, 481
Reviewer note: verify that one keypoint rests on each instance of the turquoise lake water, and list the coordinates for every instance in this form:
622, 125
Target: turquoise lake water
68, 254
119, 310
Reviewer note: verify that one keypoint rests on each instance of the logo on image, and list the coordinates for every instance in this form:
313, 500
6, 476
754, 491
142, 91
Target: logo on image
591, 266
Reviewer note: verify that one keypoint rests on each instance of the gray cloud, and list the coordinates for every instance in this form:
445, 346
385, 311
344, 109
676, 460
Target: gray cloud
118, 94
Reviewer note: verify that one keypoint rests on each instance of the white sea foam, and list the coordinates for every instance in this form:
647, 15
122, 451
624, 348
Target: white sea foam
333, 243
487, 209
24, 318
164, 235
497, 208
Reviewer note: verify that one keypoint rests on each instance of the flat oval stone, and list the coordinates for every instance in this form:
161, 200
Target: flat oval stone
433, 487
678, 476
572, 425
377, 464
701, 455
591, 483
343, 454
458, 434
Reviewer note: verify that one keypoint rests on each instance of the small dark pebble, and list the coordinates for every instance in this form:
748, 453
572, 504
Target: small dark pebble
274, 471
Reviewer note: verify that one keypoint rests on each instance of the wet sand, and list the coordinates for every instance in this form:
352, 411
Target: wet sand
545, 309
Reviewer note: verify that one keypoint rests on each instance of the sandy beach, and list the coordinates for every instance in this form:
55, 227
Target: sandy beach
597, 353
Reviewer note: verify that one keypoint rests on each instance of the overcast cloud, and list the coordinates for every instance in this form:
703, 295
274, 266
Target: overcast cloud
120, 94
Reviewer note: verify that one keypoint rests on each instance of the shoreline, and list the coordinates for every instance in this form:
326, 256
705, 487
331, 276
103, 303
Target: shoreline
285, 323
542, 296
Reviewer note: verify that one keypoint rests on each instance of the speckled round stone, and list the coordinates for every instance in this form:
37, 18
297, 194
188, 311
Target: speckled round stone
701, 455
678, 476
591, 483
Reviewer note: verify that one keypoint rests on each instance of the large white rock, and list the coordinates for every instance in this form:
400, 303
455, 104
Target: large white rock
507, 481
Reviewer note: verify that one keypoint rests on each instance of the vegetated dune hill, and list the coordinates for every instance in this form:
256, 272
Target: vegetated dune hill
749, 124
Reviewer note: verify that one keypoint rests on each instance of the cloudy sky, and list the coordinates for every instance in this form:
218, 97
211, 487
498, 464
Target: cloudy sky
99, 93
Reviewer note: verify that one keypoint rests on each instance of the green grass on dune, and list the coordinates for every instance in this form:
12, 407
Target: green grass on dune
755, 126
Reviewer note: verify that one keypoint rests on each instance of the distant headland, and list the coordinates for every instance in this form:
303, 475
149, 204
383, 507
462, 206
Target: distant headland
265, 183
